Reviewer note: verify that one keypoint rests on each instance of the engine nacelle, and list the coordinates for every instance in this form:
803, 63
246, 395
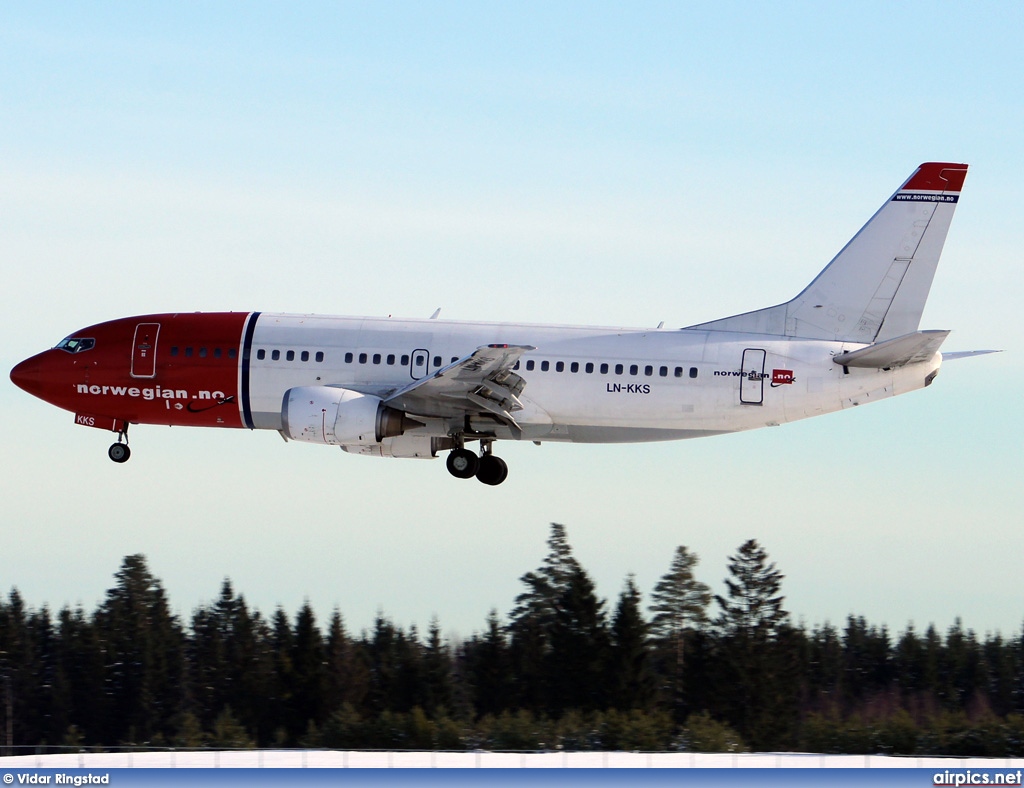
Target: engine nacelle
335, 416
422, 447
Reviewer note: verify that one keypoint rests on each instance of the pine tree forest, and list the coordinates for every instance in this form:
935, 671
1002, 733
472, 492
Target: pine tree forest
565, 669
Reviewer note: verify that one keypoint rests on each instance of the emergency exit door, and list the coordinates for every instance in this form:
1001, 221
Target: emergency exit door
144, 350
752, 382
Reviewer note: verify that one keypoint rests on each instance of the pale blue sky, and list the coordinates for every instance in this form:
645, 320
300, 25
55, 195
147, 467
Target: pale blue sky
574, 163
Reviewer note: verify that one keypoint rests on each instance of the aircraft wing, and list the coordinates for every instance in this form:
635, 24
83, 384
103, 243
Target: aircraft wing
897, 352
481, 383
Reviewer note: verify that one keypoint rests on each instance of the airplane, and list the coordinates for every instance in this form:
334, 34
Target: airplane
414, 388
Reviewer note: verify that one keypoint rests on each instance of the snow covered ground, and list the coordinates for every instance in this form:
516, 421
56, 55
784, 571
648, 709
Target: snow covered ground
277, 759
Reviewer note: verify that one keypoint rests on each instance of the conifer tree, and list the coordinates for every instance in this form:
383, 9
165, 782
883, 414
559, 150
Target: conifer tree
209, 670
80, 665
752, 609
630, 677
679, 601
308, 670
577, 659
867, 661
15, 671
533, 617
437, 673
758, 669
143, 648
347, 677
544, 586
393, 660
679, 604
280, 701
489, 669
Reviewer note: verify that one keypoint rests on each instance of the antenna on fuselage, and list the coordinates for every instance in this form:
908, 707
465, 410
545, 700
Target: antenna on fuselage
436, 313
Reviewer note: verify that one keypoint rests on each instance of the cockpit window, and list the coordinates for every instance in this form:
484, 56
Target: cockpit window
76, 344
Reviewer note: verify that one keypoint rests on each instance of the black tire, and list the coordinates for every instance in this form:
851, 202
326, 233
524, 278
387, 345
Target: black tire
462, 464
119, 452
493, 470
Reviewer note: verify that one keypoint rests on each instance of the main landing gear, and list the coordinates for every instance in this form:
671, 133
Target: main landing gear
464, 464
119, 452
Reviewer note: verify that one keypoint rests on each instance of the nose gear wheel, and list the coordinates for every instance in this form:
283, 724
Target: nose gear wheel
119, 452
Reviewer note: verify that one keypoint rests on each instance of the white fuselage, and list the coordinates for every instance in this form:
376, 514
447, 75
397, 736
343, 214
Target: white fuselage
583, 384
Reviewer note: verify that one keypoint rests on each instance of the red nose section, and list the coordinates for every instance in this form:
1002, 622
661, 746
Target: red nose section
26, 376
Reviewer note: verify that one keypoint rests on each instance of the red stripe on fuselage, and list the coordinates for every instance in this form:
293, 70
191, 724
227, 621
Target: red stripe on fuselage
196, 359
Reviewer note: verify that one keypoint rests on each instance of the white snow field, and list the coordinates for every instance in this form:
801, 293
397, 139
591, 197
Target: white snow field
278, 759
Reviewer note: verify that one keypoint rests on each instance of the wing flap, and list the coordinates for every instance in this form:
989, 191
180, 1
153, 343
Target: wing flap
482, 383
897, 352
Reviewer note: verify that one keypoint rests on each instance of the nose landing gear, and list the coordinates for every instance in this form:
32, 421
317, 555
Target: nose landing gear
487, 468
119, 452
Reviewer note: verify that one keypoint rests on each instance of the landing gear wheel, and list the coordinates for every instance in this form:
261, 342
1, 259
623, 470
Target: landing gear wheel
462, 463
119, 452
493, 470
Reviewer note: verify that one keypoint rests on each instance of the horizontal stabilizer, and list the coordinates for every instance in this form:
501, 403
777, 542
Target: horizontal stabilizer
898, 352
967, 354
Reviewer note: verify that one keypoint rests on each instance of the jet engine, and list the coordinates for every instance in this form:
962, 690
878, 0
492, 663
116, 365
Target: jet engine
336, 416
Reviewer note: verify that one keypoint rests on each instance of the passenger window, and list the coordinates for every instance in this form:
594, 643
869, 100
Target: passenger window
376, 358
261, 354
529, 365
348, 358
544, 366
560, 366
648, 370
633, 369
391, 359
517, 365
319, 356
604, 369
437, 361
216, 352
232, 353
420, 360
305, 355
454, 359
174, 350
693, 372
202, 352
275, 355
590, 367
362, 358
618, 369
574, 366
663, 371
405, 361
290, 355
679, 372
188, 352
